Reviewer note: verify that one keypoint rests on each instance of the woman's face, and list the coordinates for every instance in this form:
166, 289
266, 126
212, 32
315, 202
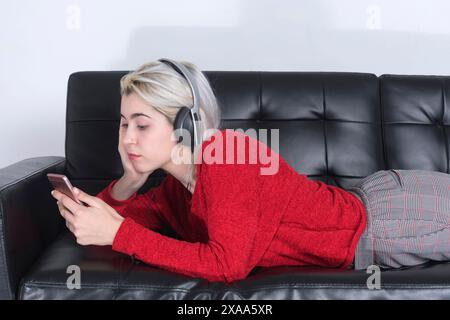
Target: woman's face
148, 134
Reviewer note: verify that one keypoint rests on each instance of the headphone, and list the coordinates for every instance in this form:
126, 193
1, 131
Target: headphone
187, 117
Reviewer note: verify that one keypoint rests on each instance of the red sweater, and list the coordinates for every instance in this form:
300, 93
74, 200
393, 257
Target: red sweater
238, 218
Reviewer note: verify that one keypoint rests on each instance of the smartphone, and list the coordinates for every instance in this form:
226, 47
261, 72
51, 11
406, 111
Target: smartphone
62, 184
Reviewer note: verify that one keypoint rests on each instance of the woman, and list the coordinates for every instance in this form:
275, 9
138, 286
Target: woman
229, 217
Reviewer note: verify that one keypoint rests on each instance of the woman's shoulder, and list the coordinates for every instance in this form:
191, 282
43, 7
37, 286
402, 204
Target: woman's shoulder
237, 153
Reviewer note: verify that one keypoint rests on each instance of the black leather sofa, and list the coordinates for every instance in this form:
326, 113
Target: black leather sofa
334, 126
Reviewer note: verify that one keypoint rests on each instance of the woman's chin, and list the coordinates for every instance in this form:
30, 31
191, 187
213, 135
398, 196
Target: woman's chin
142, 169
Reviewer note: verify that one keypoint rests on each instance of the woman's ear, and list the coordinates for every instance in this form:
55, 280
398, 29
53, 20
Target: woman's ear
180, 154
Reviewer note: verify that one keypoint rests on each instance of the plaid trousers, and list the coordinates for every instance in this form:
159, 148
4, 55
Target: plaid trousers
408, 218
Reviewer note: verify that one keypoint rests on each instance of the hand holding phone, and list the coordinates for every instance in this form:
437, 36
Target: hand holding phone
62, 184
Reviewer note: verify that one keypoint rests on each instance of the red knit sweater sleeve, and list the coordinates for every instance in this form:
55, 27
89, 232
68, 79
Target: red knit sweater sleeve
139, 207
232, 201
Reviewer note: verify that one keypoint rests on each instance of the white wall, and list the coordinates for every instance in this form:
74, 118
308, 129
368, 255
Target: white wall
43, 41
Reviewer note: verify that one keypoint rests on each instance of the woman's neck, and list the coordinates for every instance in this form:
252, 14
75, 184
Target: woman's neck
191, 187
179, 172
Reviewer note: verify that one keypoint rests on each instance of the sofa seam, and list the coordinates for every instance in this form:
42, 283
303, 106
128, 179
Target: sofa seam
381, 113
325, 128
286, 286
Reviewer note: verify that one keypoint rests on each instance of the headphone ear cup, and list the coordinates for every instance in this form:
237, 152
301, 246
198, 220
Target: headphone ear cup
183, 120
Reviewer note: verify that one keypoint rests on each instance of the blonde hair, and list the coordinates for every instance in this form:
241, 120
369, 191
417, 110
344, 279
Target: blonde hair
163, 88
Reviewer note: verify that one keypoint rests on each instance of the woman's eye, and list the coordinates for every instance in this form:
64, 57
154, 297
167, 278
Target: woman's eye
140, 127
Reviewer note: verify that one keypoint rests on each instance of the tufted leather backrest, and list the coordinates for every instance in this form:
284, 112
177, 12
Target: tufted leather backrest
333, 126
415, 125
329, 122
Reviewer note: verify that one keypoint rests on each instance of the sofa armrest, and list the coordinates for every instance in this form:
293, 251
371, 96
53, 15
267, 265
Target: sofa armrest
29, 218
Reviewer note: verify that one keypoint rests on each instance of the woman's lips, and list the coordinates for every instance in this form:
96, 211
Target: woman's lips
133, 156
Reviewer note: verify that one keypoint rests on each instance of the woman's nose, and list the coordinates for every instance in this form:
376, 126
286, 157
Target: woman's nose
129, 137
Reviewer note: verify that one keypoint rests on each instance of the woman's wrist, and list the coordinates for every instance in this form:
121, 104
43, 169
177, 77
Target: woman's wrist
124, 188
117, 223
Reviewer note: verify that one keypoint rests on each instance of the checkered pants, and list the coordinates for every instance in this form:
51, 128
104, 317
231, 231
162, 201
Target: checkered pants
408, 218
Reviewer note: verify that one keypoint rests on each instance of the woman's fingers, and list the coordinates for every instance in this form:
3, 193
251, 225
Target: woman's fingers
66, 214
69, 226
62, 212
66, 201
60, 208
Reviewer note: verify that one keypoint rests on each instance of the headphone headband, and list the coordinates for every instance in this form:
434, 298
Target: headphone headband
195, 109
